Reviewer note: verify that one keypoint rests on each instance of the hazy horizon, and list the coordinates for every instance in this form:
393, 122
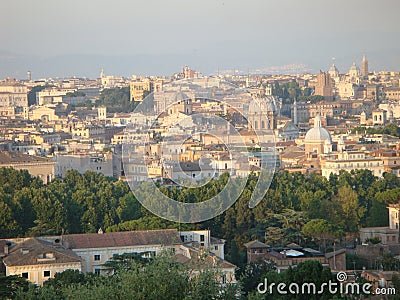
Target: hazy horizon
60, 39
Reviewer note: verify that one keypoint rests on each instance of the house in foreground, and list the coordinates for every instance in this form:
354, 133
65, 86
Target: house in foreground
40, 258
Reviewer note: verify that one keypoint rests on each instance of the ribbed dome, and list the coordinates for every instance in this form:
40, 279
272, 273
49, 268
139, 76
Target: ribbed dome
180, 96
354, 67
262, 105
318, 133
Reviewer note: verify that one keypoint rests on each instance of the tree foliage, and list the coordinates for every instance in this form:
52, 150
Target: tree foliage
83, 203
391, 129
116, 100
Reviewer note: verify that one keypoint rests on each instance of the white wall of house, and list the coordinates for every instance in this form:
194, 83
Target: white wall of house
38, 273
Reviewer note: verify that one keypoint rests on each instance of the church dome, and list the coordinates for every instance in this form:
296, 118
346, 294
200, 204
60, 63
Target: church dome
263, 105
318, 133
354, 67
180, 96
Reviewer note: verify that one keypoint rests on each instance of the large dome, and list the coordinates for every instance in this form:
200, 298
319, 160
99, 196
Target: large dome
318, 133
262, 105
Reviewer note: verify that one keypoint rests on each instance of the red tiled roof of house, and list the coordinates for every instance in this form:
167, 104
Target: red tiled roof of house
33, 250
121, 239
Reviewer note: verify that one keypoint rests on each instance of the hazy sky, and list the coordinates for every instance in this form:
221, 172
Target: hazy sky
63, 38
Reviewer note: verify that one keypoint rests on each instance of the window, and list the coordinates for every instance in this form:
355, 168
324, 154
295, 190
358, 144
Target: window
223, 279
97, 257
46, 273
97, 271
25, 275
216, 247
201, 237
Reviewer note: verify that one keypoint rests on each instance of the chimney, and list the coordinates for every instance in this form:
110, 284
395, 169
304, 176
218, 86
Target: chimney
6, 249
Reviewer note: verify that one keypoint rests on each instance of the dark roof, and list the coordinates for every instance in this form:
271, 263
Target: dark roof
217, 240
190, 166
336, 253
121, 239
3, 244
31, 252
9, 157
256, 244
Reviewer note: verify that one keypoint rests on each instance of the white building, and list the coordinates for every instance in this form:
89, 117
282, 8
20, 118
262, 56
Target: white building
13, 94
52, 95
107, 163
351, 160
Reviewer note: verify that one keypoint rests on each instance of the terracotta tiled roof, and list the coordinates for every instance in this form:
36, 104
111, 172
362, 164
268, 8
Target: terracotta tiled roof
199, 260
31, 252
121, 239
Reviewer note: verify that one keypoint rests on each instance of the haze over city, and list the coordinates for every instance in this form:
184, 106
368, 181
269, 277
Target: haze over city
61, 39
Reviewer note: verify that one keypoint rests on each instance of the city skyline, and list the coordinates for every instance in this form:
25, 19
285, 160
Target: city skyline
158, 38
